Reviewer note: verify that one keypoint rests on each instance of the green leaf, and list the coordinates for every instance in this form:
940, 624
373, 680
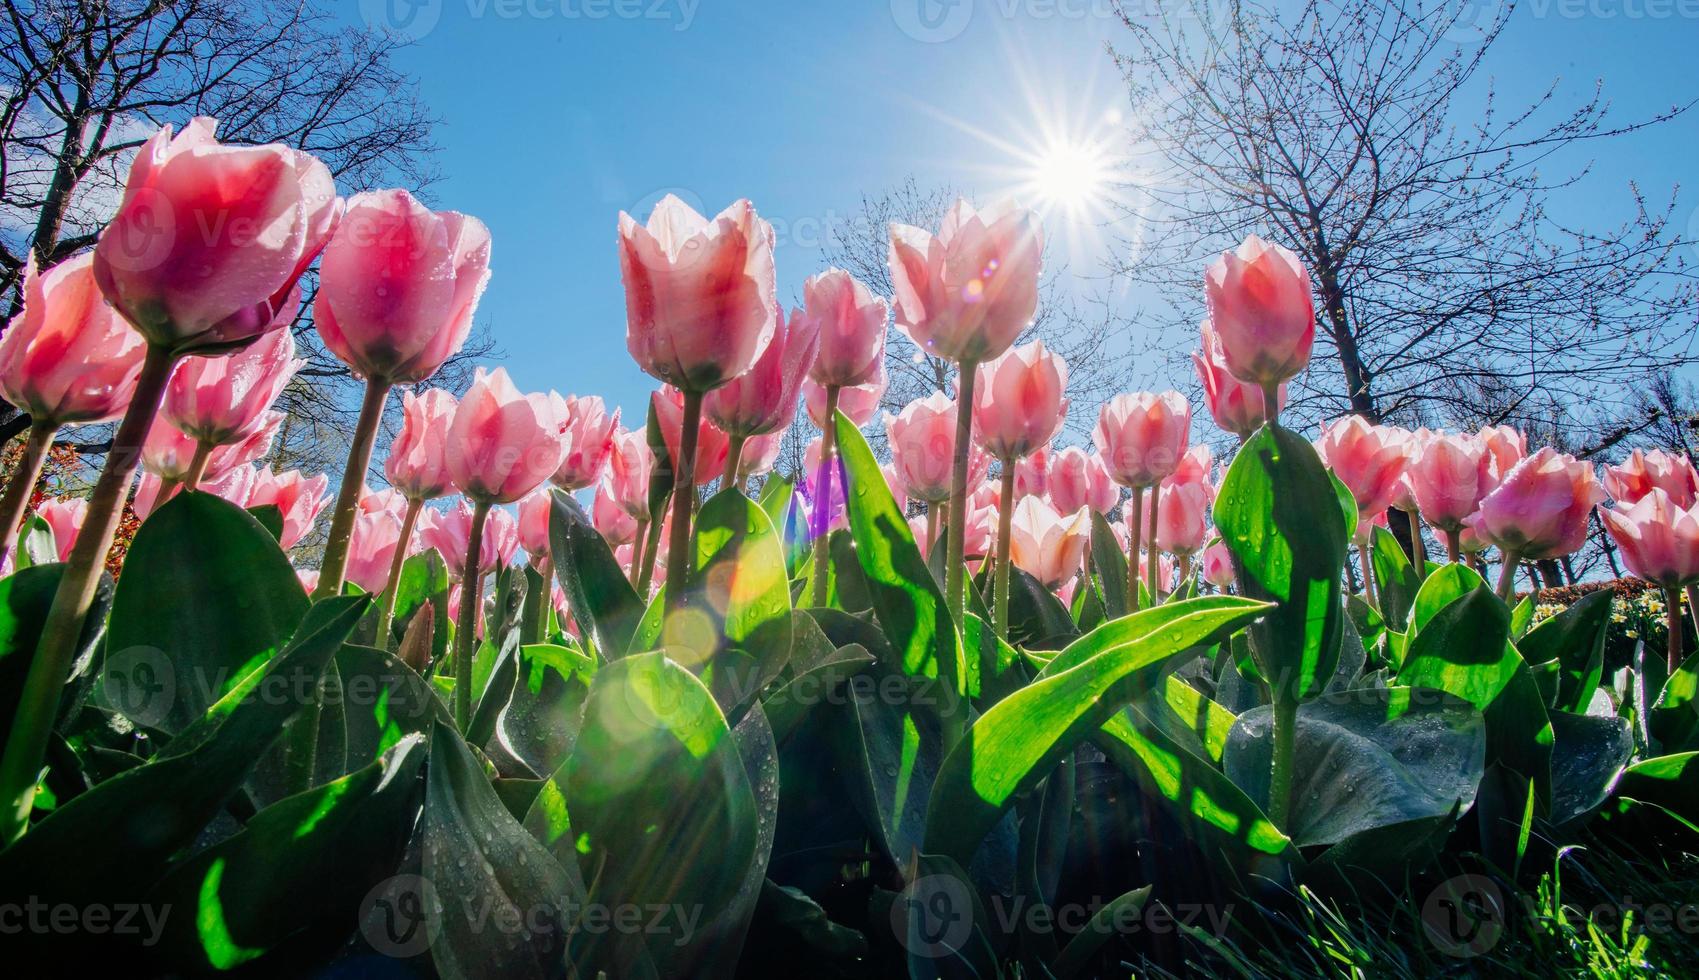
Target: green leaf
1016, 743
1588, 755
1187, 716
292, 879
124, 831
1575, 640
906, 598
1445, 586
478, 861
208, 596
890, 747
1109, 565
1365, 759
1037, 618
25, 597
424, 578
270, 517
36, 545
539, 723
1673, 720
1397, 580
1667, 781
1103, 926
1279, 513
382, 701
602, 600
819, 683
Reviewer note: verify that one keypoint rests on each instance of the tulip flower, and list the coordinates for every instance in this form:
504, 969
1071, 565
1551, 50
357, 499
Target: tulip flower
1046, 545
1659, 538
298, 496
965, 294
206, 246
610, 518
501, 446
1079, 479
171, 454
534, 525
1218, 566
826, 494
1032, 474
1539, 511
66, 358
1642, 472
1236, 406
1180, 526
449, 532
763, 400
218, 400
759, 455
589, 442
1369, 459
65, 515
417, 467
712, 445
372, 549
1507, 446
984, 517
398, 288
1141, 438
627, 475
859, 404
850, 322
388, 500
922, 440
1261, 310
235, 484
1448, 476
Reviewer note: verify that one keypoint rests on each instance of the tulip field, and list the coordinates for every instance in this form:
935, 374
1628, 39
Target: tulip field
531, 689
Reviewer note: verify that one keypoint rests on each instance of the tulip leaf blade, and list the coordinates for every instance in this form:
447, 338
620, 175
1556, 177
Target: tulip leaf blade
601, 598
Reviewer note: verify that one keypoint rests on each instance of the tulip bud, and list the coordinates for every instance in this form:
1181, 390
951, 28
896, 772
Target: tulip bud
1018, 402
858, 403
1180, 522
65, 516
610, 518
628, 470
371, 549
699, 295
68, 357
399, 285
1032, 474
502, 445
589, 443
1449, 475
1540, 509
763, 399
966, 293
1369, 459
1218, 565
450, 532
1046, 545
1079, 479
1142, 436
210, 240
1260, 306
1235, 405
218, 399
534, 524
922, 439
417, 463
1643, 472
850, 322
298, 496
712, 445
759, 454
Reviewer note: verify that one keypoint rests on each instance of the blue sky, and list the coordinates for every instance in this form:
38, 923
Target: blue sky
557, 114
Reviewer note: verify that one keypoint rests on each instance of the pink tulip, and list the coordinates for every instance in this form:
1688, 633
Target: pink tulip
1018, 402
1032, 474
1448, 476
371, 549
299, 497
627, 475
1046, 545
534, 524
388, 500
1659, 538
1540, 510
763, 399
502, 444
167, 452
309, 579
1142, 436
1260, 306
850, 321
712, 445
417, 463
450, 532
1368, 459
1235, 405
1643, 472
923, 438
1180, 522
399, 285
1507, 446
699, 295
966, 293
67, 357
894, 481
1197, 465
210, 239
810, 492
858, 403
760, 453
217, 399
979, 534
1079, 479
236, 484
1218, 565
65, 516
610, 518
589, 442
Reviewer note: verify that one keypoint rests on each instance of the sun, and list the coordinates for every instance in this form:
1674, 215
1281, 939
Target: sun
1074, 175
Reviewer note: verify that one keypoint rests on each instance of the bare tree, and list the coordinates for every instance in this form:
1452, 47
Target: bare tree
86, 82
1449, 292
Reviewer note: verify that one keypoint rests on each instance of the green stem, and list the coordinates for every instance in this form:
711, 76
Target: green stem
954, 570
536, 595
386, 609
1693, 605
466, 630
1153, 557
197, 465
734, 458
684, 495
27, 743
1418, 547
647, 576
18, 492
821, 518
1135, 530
1507, 577
1271, 403
1454, 545
1005, 509
1285, 746
638, 540
1365, 566
335, 562
1672, 622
